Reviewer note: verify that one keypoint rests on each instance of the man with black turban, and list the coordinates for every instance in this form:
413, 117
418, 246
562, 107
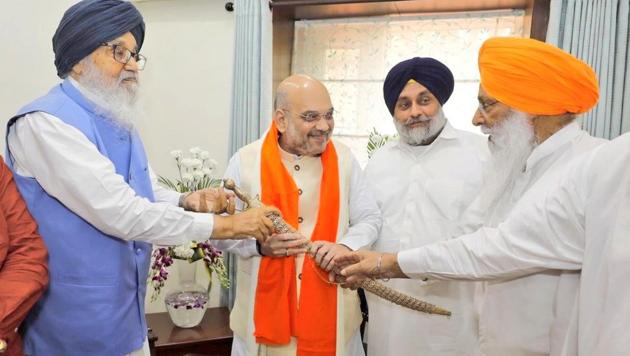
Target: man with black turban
81, 167
422, 183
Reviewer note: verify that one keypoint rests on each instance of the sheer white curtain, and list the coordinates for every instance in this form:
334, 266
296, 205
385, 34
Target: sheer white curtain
597, 32
352, 57
251, 88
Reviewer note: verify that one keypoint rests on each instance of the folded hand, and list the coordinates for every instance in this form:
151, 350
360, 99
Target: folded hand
325, 253
253, 222
284, 245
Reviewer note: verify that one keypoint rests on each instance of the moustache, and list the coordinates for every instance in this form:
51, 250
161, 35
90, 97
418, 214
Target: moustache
318, 133
486, 130
417, 119
128, 76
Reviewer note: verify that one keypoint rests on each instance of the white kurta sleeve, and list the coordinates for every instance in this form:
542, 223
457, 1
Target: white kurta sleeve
71, 169
163, 194
243, 248
544, 231
365, 216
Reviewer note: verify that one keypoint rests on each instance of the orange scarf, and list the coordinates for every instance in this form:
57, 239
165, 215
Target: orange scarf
276, 313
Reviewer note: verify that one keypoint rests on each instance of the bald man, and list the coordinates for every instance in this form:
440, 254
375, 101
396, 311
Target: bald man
316, 183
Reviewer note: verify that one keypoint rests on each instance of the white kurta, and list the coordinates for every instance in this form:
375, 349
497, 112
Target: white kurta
71, 169
582, 223
422, 192
365, 217
517, 316
364, 223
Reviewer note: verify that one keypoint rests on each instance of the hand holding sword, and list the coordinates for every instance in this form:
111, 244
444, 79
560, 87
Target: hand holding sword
369, 285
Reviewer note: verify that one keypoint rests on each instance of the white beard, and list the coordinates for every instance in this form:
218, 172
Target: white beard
511, 142
421, 135
113, 100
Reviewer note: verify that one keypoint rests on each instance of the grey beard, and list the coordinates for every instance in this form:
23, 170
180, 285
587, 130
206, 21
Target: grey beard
114, 101
511, 144
421, 135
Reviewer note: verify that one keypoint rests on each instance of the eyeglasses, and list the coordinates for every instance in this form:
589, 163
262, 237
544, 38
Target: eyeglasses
313, 116
485, 105
123, 55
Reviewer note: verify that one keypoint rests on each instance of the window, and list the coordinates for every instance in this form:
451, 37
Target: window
352, 56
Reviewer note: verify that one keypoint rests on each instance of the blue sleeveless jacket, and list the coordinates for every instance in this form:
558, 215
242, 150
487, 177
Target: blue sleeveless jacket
95, 301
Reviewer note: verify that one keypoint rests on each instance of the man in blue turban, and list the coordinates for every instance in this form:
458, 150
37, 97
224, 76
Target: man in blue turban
422, 183
427, 81
88, 25
82, 170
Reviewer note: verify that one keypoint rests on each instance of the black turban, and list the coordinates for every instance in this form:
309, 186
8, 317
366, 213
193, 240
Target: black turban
429, 72
88, 24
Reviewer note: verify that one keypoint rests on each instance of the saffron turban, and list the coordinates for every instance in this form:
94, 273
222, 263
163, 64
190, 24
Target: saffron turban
88, 24
536, 77
429, 72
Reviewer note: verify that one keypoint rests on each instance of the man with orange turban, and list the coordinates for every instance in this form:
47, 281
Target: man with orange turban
529, 96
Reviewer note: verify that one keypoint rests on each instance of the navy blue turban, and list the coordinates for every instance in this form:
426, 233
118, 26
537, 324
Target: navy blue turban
429, 72
88, 24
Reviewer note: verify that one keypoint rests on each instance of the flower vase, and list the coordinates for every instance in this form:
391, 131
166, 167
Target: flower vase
186, 302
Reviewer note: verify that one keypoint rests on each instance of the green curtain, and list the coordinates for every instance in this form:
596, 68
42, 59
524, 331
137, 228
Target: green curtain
251, 90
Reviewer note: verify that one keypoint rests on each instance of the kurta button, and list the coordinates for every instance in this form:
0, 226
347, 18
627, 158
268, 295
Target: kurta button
300, 276
300, 219
300, 191
138, 251
296, 167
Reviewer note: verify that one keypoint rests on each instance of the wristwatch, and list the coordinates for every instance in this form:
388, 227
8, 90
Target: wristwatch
3, 346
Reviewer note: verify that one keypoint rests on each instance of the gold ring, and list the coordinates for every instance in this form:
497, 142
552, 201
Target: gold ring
286, 252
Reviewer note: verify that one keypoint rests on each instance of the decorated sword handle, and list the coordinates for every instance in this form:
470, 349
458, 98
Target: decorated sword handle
242, 195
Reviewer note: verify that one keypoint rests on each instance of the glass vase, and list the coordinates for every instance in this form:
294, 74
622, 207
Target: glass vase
186, 303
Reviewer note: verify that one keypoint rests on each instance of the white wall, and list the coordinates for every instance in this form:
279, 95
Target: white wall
189, 46
187, 82
27, 68
188, 78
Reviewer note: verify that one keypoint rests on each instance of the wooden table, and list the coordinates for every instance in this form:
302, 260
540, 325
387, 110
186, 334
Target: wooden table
212, 337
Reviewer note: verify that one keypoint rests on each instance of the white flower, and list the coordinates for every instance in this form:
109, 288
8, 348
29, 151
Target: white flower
196, 163
204, 155
177, 154
183, 251
212, 164
187, 162
207, 172
377, 138
195, 151
187, 177
197, 175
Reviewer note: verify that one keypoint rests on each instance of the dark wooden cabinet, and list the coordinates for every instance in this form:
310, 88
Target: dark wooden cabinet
212, 337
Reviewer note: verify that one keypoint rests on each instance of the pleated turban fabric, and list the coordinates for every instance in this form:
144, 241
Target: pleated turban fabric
431, 73
536, 77
88, 24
